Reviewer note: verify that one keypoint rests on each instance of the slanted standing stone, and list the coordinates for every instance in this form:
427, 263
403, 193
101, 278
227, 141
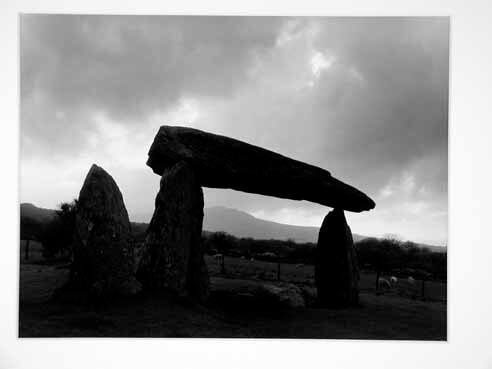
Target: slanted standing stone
172, 256
103, 255
336, 272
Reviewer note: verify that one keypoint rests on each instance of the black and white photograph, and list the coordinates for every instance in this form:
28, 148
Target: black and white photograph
245, 185
233, 176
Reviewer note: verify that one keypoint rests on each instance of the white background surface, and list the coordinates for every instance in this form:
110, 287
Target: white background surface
470, 189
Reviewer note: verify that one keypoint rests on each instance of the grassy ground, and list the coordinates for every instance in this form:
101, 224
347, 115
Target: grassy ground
396, 314
35, 252
304, 274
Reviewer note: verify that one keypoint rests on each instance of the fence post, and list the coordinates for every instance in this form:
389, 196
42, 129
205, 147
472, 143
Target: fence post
222, 265
26, 251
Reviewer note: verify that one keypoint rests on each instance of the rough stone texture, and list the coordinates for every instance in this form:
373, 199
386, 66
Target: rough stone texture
103, 255
173, 256
260, 294
336, 270
222, 162
287, 294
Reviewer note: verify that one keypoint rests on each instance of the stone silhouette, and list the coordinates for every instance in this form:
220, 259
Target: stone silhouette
102, 249
336, 269
222, 162
188, 159
172, 256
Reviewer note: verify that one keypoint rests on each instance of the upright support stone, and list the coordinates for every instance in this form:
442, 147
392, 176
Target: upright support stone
102, 248
173, 256
336, 271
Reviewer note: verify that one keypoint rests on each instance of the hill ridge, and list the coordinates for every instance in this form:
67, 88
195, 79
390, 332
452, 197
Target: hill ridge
233, 221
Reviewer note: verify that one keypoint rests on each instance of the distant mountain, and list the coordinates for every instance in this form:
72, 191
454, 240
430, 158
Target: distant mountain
235, 222
241, 224
33, 219
40, 215
433, 248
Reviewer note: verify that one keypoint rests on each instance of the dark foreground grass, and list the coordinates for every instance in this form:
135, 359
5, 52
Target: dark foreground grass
389, 316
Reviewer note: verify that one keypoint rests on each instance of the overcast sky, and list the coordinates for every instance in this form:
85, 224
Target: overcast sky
364, 98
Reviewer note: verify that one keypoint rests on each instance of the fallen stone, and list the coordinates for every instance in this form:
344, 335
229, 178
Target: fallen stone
223, 162
309, 294
258, 294
172, 254
287, 294
336, 268
102, 247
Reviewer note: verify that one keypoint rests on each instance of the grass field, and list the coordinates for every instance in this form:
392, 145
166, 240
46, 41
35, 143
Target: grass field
35, 252
396, 314
304, 274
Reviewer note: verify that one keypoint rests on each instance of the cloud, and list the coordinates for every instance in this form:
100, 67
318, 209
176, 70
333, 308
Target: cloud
365, 98
128, 67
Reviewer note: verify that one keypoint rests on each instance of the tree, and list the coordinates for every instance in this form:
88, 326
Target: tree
383, 255
29, 230
57, 235
220, 241
404, 258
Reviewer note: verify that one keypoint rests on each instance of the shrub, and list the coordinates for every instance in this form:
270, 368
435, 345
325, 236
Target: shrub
404, 258
57, 235
221, 242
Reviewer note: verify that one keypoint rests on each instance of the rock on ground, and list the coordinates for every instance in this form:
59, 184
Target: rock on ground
102, 246
222, 162
260, 294
336, 269
173, 256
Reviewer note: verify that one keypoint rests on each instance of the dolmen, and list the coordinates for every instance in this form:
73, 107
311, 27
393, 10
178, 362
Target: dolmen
105, 259
188, 159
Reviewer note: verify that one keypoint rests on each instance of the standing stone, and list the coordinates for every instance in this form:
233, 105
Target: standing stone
173, 256
103, 255
336, 272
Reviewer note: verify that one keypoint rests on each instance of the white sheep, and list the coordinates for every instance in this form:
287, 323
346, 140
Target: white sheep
393, 280
268, 255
